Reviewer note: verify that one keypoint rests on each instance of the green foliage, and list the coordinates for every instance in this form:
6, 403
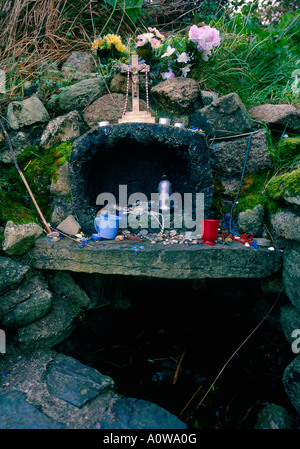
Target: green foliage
257, 62
39, 169
131, 8
286, 153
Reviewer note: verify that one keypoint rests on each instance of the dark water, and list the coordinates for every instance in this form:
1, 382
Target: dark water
165, 341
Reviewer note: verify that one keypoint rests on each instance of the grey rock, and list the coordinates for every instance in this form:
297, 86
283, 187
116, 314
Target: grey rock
69, 226
18, 239
208, 97
65, 128
11, 273
26, 304
286, 224
81, 94
48, 331
176, 95
292, 201
290, 320
20, 141
251, 221
131, 413
273, 416
28, 374
26, 113
78, 65
62, 185
291, 274
64, 284
62, 208
229, 155
277, 115
162, 261
17, 413
225, 116
74, 382
291, 382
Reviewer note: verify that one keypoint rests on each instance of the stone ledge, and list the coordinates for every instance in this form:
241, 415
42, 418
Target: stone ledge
159, 261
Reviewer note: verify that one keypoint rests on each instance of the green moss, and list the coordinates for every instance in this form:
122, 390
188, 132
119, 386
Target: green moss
39, 168
289, 148
254, 192
288, 182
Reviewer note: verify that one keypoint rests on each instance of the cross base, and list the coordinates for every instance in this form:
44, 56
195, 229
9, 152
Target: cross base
137, 117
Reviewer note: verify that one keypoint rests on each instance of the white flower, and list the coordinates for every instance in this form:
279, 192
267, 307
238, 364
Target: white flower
185, 70
205, 55
183, 57
169, 51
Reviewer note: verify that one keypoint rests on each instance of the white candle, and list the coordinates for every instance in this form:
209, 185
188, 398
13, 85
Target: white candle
164, 190
164, 121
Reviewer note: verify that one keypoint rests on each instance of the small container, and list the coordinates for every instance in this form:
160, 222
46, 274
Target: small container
178, 125
164, 121
107, 226
103, 123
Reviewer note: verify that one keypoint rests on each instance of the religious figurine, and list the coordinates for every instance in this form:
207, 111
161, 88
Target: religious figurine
136, 115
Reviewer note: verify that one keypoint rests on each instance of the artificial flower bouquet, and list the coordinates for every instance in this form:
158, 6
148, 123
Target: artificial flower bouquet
110, 47
175, 55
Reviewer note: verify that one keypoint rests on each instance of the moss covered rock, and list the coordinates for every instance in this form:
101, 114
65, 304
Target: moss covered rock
285, 184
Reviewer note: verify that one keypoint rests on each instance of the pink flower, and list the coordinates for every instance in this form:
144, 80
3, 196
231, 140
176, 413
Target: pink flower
155, 43
167, 75
157, 33
205, 37
140, 43
194, 33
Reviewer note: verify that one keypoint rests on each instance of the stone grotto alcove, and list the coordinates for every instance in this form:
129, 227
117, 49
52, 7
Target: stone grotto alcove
136, 155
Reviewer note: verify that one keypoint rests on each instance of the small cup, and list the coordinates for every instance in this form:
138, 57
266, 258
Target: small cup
103, 123
164, 121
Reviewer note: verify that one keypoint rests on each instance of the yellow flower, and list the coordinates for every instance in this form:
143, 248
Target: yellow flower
121, 48
112, 39
98, 43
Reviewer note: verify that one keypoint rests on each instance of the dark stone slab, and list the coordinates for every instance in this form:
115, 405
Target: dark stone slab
136, 155
170, 262
74, 382
17, 413
11, 273
131, 413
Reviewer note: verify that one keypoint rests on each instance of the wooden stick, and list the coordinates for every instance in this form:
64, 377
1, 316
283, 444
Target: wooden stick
23, 177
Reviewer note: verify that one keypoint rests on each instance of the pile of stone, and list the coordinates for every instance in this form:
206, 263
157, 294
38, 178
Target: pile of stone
40, 316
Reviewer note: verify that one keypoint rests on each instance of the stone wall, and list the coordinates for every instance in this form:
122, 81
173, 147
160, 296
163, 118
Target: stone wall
40, 311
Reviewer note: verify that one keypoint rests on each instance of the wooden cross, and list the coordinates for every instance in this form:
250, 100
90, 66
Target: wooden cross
135, 115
